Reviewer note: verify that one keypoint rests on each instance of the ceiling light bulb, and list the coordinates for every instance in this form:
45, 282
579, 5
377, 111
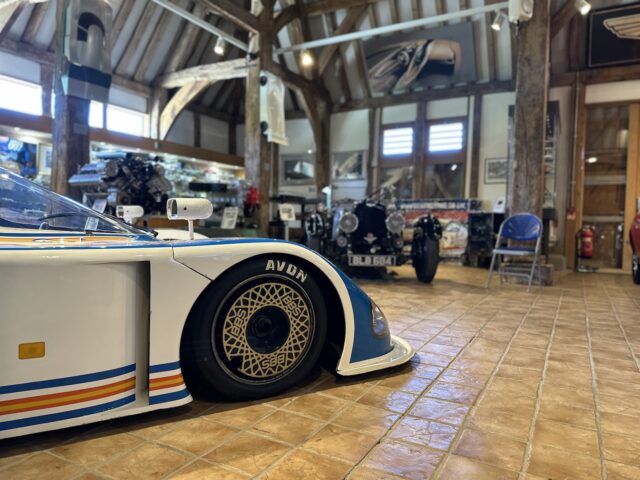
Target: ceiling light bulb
583, 6
307, 58
454, 167
498, 21
592, 159
220, 46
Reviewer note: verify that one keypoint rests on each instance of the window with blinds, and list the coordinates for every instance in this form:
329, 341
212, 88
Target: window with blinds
446, 137
397, 141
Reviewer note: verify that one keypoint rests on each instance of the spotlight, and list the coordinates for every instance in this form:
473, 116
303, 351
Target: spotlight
583, 6
592, 159
307, 58
498, 21
454, 167
220, 47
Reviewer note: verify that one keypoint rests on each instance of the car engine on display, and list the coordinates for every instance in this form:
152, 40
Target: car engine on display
634, 238
102, 320
371, 234
124, 178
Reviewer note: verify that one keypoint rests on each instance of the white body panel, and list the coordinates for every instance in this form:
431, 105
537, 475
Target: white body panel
111, 313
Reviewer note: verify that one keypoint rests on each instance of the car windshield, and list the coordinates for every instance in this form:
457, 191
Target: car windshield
24, 204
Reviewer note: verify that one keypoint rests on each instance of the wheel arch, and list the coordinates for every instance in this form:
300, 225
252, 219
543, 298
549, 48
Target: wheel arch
336, 319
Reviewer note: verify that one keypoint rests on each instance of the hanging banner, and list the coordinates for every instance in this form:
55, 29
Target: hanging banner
272, 119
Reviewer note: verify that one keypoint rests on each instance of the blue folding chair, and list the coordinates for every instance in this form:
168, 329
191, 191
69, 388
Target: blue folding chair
522, 227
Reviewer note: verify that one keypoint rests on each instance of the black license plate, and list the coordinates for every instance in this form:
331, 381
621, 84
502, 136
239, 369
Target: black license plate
372, 260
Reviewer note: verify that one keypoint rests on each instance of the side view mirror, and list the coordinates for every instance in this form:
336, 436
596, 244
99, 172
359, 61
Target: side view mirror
129, 213
189, 209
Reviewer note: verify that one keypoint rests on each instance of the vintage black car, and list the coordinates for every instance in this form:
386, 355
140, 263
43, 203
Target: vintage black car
371, 235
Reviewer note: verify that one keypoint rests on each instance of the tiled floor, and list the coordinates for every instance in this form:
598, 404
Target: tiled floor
505, 385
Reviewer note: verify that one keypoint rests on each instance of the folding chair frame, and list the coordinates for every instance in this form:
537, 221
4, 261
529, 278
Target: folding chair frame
511, 270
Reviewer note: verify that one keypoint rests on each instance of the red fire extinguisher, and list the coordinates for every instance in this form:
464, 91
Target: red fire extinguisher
586, 242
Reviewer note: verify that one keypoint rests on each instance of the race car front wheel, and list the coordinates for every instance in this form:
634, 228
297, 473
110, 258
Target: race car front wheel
635, 268
259, 330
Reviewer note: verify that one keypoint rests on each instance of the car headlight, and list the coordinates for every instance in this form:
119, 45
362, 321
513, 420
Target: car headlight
379, 324
395, 223
342, 241
349, 223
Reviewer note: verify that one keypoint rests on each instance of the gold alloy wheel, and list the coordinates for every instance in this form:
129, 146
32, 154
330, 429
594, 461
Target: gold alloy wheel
266, 331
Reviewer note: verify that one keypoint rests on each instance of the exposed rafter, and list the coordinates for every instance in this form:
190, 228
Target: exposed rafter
427, 95
178, 103
214, 72
327, 53
289, 14
186, 41
562, 17
229, 10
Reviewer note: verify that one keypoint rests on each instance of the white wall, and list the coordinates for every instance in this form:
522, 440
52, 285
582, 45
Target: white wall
399, 113
613, 92
182, 130
214, 134
18, 67
494, 134
349, 132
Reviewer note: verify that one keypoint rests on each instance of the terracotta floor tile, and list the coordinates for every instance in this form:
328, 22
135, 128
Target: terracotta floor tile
366, 419
241, 416
287, 427
424, 432
148, 461
303, 464
453, 392
197, 436
622, 449
620, 471
344, 390
450, 350
562, 412
440, 411
407, 383
620, 424
569, 437
41, 466
248, 452
508, 424
510, 387
315, 405
388, 399
550, 462
491, 448
622, 404
458, 468
464, 378
93, 450
404, 460
497, 400
335, 441
366, 473
522, 374
200, 470
581, 398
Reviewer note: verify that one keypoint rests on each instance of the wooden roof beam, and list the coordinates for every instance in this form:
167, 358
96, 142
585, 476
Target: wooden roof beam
427, 95
289, 14
346, 26
237, 15
212, 73
562, 17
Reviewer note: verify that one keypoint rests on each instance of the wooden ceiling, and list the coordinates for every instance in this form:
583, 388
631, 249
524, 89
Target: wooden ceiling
149, 41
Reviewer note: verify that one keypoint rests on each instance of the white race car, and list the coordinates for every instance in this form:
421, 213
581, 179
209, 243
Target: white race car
101, 320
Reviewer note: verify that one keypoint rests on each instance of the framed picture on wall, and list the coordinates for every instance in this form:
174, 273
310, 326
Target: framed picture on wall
349, 165
297, 169
614, 36
495, 170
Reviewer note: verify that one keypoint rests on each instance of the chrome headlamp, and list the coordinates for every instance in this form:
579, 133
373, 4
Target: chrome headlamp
379, 324
349, 223
395, 222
